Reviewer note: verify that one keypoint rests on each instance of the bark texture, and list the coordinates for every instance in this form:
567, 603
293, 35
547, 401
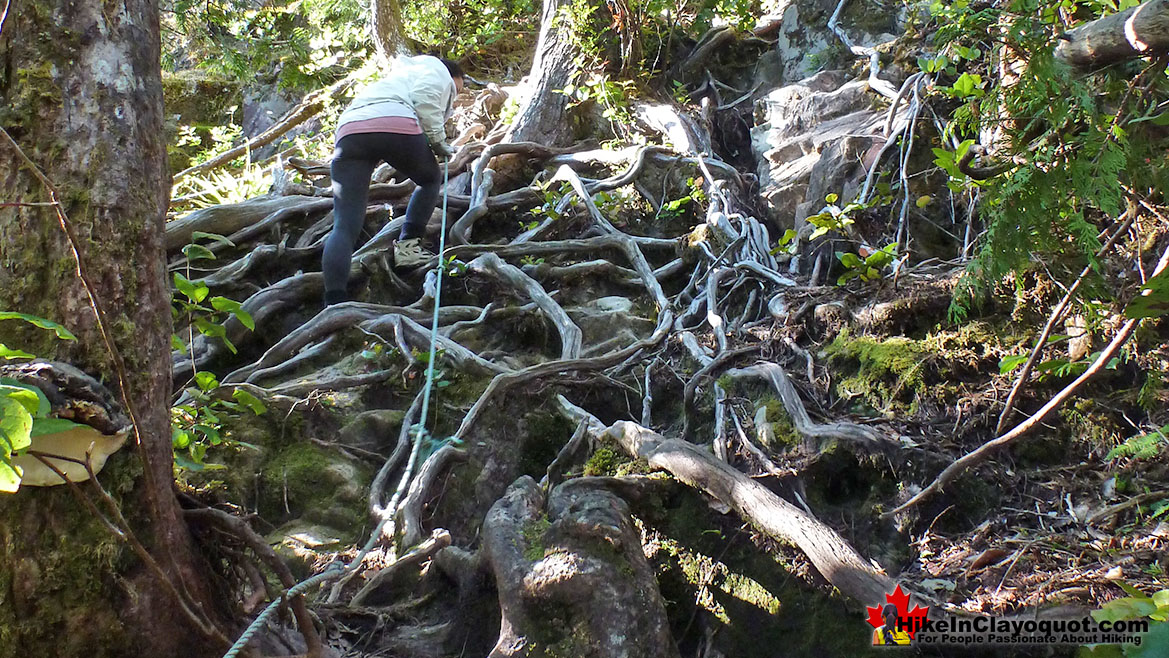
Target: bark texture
81, 94
1138, 32
542, 116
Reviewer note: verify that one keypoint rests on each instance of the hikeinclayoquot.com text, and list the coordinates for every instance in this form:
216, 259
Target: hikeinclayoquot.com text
987, 630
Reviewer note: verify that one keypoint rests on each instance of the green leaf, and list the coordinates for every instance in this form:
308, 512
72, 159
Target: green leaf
38, 405
224, 304
206, 380
214, 237
41, 426
849, 260
196, 292
250, 401
1153, 300
968, 84
1131, 590
831, 198
1009, 363
1126, 608
10, 353
177, 343
198, 252
1154, 644
180, 439
15, 425
10, 475
62, 332
182, 461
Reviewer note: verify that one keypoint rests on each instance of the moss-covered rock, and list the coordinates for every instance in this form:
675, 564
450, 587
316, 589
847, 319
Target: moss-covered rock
888, 373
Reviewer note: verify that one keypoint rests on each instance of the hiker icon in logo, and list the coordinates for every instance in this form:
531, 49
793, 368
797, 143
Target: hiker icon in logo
893, 623
890, 633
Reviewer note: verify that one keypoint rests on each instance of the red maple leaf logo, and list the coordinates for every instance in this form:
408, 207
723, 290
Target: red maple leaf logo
908, 620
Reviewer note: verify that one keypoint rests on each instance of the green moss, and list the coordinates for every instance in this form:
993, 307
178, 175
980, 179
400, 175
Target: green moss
305, 480
887, 371
784, 432
533, 534
59, 579
603, 462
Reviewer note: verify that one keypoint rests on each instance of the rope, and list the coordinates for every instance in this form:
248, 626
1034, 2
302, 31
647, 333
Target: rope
336, 569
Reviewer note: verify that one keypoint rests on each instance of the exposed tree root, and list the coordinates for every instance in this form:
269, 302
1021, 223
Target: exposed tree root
833, 557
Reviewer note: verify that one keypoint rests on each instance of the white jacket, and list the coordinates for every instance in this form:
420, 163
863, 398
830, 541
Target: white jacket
418, 87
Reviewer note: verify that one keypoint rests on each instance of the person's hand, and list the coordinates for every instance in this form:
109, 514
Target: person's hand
443, 151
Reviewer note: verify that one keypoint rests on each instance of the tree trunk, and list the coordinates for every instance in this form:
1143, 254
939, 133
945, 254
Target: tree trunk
81, 94
385, 26
1138, 32
543, 115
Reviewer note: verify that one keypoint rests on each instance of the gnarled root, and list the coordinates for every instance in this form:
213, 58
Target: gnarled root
576, 578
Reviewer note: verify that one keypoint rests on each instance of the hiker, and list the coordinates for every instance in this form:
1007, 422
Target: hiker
398, 119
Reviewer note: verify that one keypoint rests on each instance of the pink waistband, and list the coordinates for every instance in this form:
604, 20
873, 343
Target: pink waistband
400, 125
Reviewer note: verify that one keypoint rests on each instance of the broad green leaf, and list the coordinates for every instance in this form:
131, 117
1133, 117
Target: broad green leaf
214, 237
1154, 644
196, 292
62, 332
224, 304
250, 401
831, 198
1153, 300
10, 475
198, 252
1130, 590
177, 343
10, 353
15, 425
22, 396
182, 461
1126, 608
206, 380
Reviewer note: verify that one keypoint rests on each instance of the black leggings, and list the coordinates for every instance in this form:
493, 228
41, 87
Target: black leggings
354, 160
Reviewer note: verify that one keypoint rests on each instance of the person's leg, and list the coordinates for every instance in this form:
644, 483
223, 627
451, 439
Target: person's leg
412, 157
351, 171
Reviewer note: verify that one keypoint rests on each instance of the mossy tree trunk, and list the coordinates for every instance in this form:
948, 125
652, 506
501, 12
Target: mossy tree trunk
81, 94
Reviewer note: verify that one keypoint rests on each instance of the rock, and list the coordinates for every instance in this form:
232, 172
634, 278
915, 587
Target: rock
609, 323
373, 430
814, 138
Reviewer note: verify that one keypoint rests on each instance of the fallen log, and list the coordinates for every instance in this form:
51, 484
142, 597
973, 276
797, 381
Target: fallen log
1138, 32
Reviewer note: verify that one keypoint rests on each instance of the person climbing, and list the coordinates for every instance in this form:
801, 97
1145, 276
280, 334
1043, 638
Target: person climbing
398, 119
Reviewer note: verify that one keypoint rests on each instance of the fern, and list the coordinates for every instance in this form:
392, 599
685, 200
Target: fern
1144, 446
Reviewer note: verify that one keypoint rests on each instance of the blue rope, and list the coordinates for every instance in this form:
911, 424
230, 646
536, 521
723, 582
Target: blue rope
335, 570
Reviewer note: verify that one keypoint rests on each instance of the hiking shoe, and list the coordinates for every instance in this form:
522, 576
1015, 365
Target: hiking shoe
411, 253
